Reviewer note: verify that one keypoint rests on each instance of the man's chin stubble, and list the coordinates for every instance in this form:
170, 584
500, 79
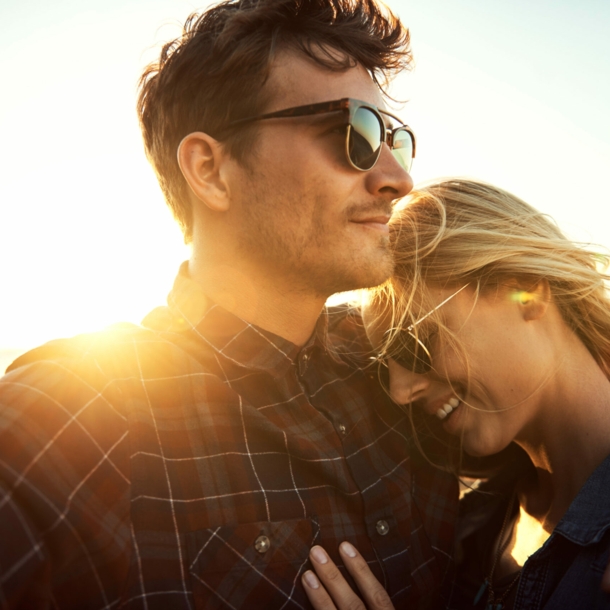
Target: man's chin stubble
354, 276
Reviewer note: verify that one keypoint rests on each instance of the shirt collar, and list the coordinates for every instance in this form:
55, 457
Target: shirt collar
589, 514
191, 311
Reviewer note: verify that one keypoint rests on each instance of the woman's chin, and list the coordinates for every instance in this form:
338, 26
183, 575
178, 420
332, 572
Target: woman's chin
482, 449
476, 452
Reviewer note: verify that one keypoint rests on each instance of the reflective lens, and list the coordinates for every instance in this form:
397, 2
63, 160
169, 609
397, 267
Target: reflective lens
411, 353
366, 134
366, 130
402, 148
365, 137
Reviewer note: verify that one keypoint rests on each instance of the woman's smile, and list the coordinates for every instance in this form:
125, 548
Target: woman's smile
489, 360
448, 407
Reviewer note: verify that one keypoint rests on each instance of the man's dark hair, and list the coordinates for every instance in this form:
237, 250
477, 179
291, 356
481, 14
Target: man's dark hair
214, 73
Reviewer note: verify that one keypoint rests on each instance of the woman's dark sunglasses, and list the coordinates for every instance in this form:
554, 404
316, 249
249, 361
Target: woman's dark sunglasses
408, 350
366, 131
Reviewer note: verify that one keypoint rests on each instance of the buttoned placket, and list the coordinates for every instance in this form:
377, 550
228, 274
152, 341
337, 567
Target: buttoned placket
379, 519
303, 362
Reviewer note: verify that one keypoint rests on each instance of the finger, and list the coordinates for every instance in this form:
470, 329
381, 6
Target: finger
606, 580
316, 592
336, 586
374, 594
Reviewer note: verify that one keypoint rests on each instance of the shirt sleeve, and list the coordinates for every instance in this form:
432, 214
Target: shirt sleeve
64, 485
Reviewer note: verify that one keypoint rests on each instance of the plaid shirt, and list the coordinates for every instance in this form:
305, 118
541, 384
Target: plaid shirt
192, 464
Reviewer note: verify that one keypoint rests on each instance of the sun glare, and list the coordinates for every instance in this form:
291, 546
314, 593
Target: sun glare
85, 236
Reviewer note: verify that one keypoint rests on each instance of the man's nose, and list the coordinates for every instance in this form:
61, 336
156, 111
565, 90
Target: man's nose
406, 386
388, 176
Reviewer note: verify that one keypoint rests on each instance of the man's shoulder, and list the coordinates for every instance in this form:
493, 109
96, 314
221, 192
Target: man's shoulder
84, 346
115, 362
115, 379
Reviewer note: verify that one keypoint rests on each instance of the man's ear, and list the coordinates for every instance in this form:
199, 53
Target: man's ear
534, 301
201, 160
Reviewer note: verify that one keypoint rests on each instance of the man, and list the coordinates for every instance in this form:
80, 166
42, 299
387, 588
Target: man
193, 462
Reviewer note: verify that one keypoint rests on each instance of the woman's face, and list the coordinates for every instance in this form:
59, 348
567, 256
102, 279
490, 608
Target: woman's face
490, 393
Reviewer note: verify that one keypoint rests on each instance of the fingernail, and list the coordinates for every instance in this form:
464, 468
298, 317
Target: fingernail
348, 549
319, 554
310, 578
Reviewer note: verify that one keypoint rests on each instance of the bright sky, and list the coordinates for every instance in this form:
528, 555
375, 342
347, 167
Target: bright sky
514, 93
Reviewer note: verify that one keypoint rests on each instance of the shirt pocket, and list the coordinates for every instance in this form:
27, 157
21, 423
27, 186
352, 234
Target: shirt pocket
251, 565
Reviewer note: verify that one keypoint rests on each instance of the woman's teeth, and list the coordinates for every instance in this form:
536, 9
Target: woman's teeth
448, 407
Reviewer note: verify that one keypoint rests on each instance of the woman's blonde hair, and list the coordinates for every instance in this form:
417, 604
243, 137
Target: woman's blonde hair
456, 232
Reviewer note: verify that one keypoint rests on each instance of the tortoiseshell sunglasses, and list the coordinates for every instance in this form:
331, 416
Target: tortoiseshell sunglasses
366, 131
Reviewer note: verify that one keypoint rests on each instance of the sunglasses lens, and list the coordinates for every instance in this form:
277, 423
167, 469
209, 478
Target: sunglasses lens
364, 144
412, 354
403, 148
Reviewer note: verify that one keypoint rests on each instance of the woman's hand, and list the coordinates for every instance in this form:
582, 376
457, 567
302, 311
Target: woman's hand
330, 591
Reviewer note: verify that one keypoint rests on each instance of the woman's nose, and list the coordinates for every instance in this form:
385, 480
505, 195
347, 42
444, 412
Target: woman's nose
406, 386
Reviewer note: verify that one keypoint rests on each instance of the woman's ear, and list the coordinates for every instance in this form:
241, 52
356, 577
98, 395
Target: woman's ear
534, 302
201, 160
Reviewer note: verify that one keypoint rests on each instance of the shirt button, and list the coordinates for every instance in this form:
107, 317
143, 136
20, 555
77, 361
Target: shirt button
262, 544
382, 527
305, 357
342, 429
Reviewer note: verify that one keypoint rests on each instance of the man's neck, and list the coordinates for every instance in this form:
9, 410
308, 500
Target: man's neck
261, 299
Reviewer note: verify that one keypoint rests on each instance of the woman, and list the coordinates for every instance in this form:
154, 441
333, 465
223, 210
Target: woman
496, 328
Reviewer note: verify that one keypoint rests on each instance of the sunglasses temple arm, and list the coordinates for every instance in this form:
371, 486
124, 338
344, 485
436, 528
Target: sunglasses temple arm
297, 111
437, 307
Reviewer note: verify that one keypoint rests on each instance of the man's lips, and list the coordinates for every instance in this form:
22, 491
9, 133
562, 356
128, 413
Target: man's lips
378, 222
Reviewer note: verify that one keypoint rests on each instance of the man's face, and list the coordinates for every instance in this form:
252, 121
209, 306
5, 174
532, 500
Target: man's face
302, 214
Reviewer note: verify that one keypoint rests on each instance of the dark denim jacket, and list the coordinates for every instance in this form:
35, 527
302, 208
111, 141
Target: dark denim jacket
565, 574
